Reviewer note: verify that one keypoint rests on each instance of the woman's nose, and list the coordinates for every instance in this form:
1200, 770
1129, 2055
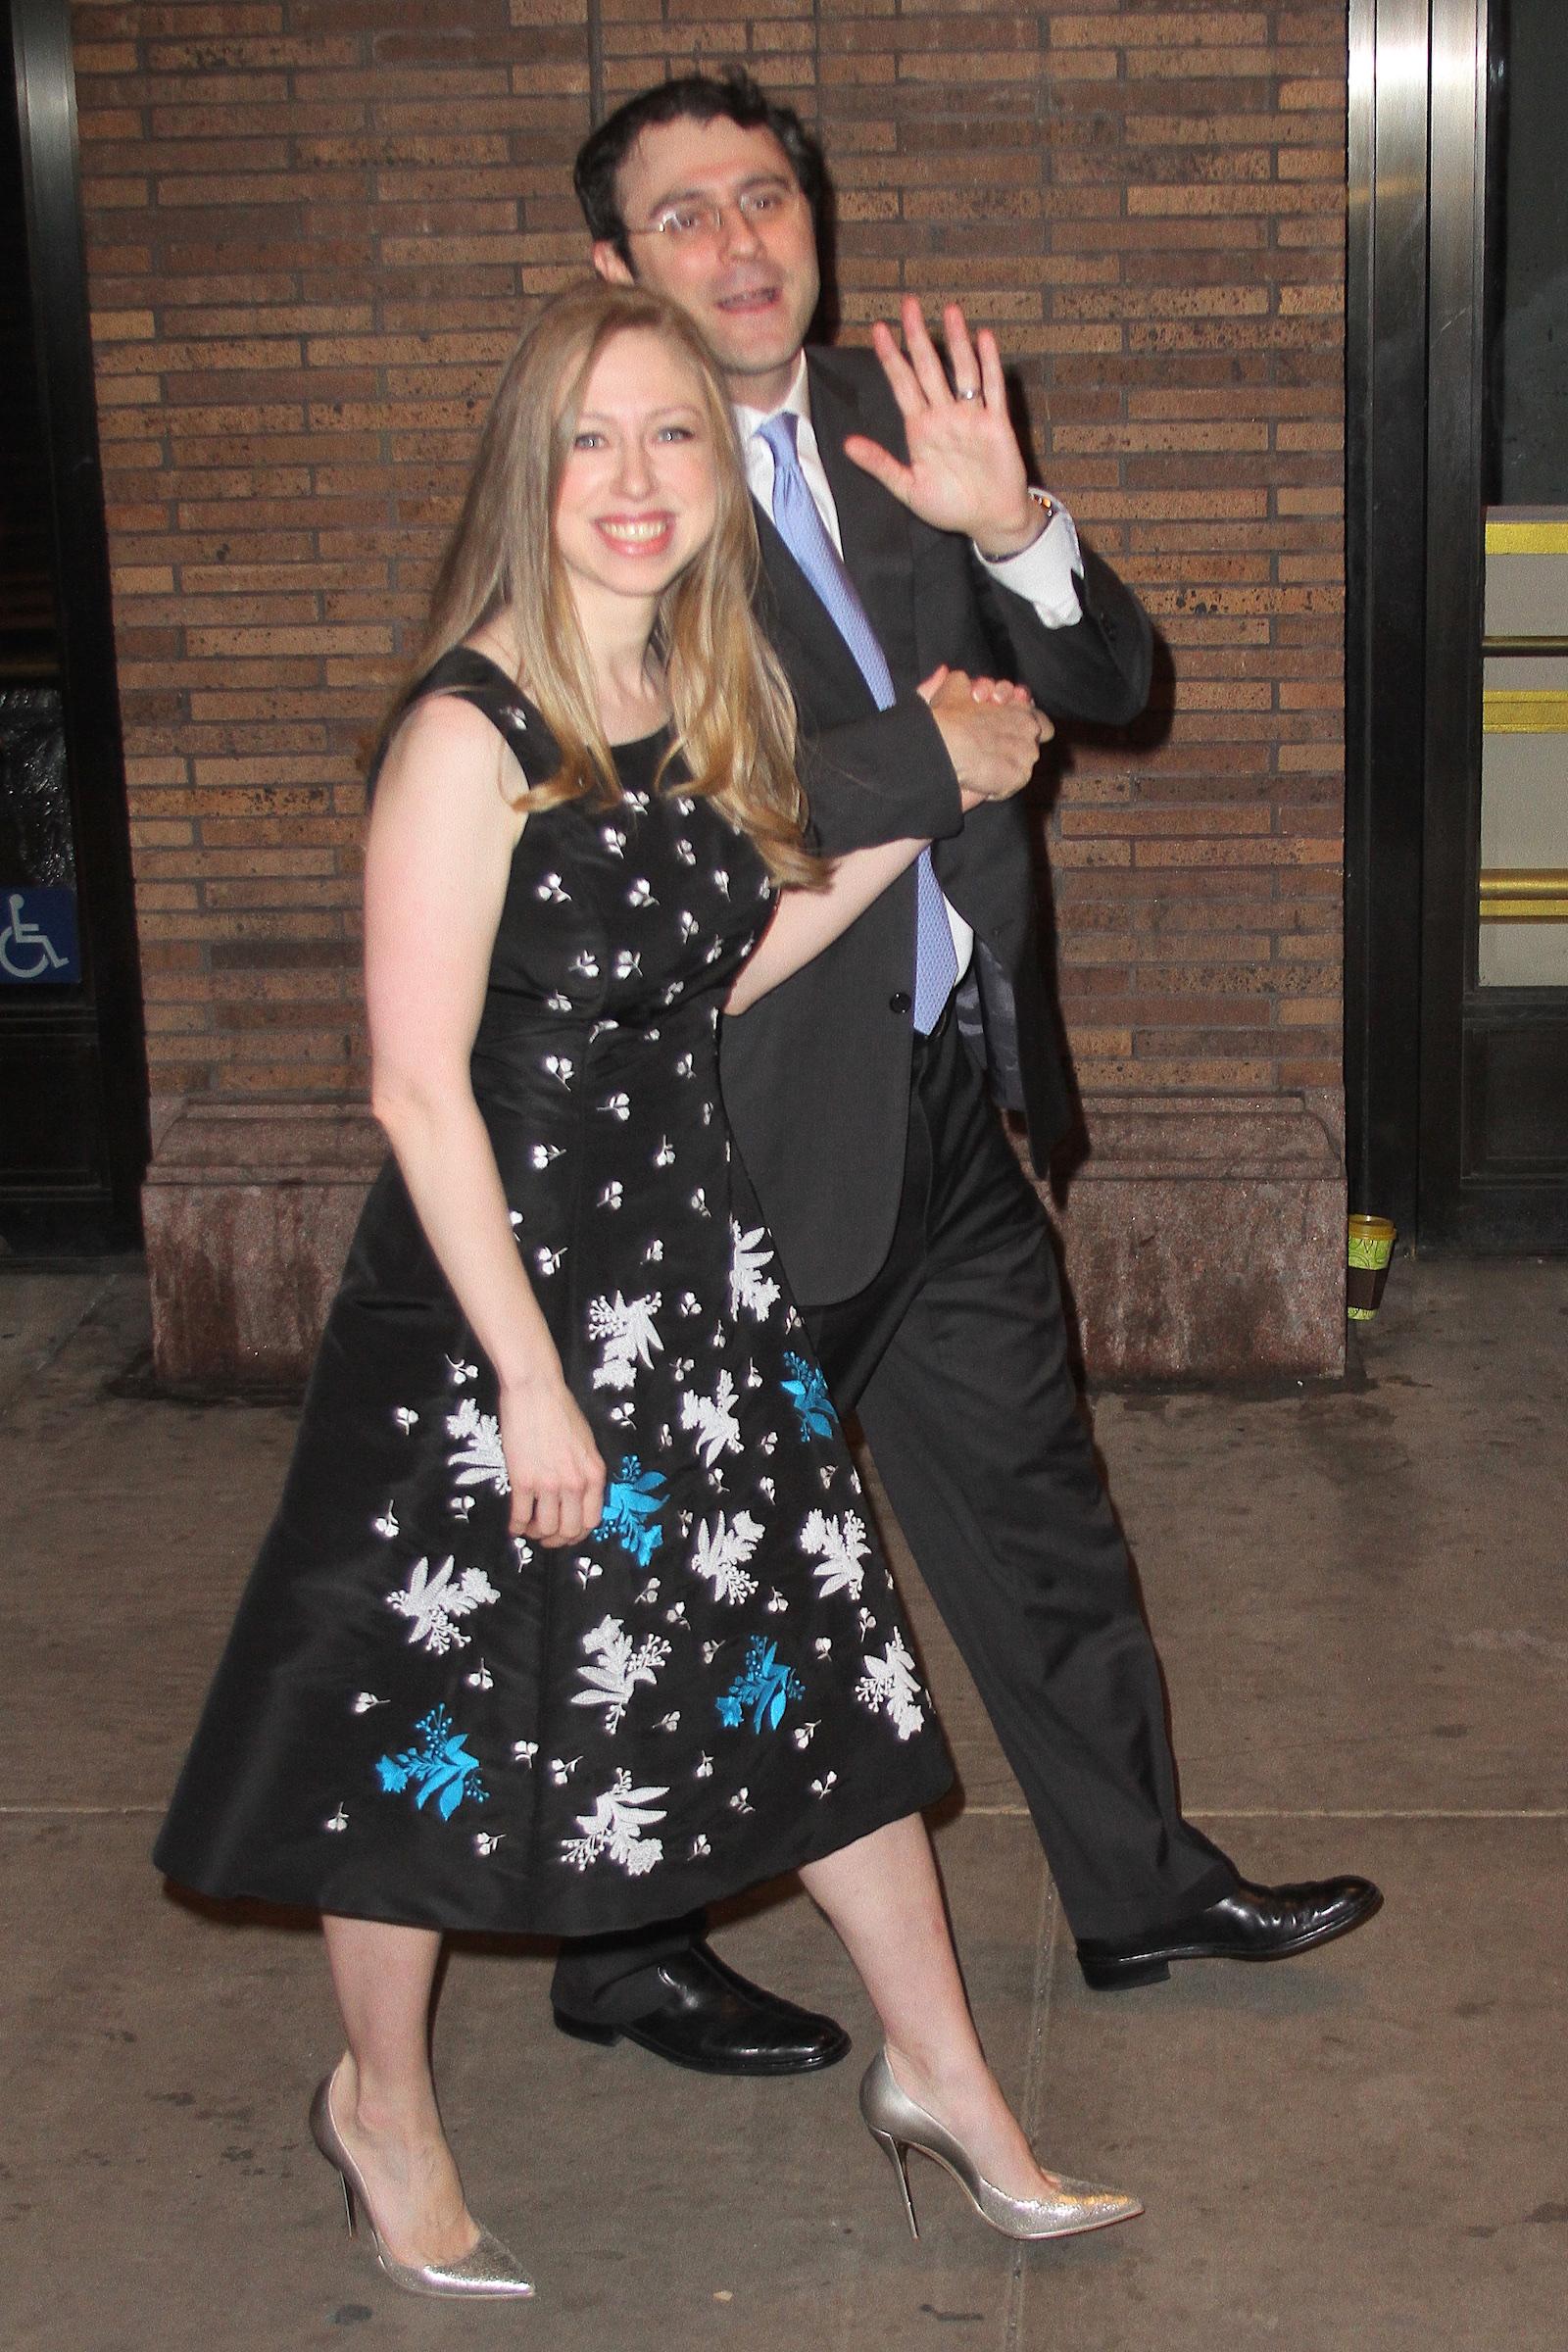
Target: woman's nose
634, 472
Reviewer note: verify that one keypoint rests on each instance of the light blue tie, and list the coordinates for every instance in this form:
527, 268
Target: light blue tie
805, 535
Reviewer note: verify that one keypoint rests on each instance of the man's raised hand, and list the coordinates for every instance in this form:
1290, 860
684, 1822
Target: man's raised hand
965, 471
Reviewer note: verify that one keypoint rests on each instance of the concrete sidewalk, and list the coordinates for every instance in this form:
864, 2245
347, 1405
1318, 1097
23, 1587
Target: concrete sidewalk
1359, 1601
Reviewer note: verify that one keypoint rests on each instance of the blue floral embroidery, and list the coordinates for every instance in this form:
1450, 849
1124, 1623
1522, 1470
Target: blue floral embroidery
442, 1768
766, 1687
808, 1393
631, 1505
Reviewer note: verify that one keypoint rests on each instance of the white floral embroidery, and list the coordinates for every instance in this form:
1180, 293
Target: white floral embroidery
618, 1666
433, 1604
720, 1551
479, 1460
890, 1684
626, 1328
749, 1253
387, 1523
714, 1419
615, 1827
841, 1552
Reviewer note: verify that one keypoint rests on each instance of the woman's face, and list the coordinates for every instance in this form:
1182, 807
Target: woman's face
639, 490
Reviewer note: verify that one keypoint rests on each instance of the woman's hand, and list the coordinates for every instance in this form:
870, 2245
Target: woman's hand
992, 731
556, 1470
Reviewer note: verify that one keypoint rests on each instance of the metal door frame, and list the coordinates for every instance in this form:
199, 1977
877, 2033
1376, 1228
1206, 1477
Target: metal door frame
1416, 360
100, 1214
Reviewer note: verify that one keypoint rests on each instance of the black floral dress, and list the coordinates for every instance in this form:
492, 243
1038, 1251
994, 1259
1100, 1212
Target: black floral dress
421, 1719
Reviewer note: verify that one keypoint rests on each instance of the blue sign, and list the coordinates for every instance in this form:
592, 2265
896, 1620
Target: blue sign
39, 936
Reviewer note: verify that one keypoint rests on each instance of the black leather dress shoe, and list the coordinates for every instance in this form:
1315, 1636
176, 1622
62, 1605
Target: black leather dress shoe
1255, 1923
720, 2022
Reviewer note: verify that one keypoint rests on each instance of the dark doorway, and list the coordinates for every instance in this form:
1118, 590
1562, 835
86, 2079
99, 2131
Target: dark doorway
1456, 1045
73, 1075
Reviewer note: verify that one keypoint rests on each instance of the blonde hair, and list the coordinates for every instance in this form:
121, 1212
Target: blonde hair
733, 714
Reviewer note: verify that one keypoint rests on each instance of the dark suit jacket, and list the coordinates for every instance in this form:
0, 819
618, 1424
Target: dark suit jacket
817, 1076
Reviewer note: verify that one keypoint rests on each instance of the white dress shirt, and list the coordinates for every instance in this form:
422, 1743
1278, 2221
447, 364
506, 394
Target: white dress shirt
1045, 574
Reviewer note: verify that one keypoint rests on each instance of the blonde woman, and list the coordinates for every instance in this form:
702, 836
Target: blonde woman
571, 1618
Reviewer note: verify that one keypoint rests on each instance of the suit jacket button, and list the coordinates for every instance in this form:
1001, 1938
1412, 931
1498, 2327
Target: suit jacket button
899, 1001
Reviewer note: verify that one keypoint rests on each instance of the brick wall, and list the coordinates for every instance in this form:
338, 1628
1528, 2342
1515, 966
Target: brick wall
314, 227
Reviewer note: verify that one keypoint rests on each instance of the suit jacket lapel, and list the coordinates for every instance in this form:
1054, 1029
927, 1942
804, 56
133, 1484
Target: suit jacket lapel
873, 528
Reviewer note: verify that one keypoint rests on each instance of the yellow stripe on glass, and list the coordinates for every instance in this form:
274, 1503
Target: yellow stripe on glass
1524, 710
1527, 538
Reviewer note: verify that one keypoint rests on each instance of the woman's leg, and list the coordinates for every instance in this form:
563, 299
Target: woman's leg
883, 1897
383, 2098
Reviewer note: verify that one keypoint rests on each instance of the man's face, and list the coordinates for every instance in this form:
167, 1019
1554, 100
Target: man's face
749, 284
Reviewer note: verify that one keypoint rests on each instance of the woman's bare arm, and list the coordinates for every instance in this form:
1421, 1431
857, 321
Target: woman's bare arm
442, 834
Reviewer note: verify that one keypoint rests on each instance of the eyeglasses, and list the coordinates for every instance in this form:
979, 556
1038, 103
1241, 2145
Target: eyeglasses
692, 219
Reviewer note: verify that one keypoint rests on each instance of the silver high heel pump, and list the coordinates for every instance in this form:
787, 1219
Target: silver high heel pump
897, 2124
487, 2268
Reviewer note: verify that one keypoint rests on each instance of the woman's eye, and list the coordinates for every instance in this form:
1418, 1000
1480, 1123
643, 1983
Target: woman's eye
676, 432
588, 440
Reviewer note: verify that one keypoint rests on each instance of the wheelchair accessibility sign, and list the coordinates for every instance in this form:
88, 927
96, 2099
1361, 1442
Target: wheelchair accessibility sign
39, 936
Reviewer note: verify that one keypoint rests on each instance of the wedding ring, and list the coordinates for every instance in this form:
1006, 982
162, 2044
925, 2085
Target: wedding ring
968, 392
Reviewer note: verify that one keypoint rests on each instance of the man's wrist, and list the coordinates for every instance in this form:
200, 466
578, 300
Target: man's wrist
1032, 525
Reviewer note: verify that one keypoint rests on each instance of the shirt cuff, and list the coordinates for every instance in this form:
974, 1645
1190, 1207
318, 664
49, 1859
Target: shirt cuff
1045, 572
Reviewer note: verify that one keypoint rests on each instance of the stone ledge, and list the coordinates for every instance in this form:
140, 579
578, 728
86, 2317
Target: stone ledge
1203, 1237
248, 1210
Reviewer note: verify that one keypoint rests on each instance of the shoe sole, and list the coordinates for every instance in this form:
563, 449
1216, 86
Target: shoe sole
1123, 1975
606, 2037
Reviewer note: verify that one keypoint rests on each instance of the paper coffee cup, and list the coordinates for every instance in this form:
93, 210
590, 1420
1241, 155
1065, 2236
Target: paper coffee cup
1371, 1245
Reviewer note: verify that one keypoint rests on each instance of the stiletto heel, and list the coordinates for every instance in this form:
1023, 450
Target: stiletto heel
897, 2124
898, 2157
487, 2268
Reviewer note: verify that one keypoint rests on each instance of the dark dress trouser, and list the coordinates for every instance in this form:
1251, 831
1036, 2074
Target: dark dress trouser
955, 1359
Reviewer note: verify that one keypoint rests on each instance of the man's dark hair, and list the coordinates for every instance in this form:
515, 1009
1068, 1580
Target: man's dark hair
693, 98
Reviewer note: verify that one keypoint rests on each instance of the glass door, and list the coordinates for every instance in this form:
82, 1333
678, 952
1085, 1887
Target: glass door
1494, 1116
72, 1077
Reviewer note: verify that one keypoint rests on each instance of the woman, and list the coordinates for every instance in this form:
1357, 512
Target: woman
571, 1618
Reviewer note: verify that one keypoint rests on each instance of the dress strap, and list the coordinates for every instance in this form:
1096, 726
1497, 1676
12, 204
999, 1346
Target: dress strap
473, 677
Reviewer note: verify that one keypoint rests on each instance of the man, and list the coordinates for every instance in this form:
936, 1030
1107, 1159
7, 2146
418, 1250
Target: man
899, 536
